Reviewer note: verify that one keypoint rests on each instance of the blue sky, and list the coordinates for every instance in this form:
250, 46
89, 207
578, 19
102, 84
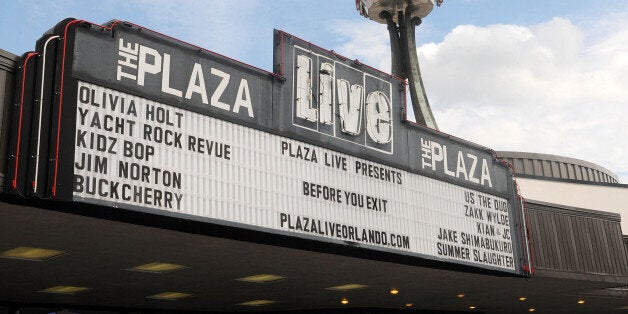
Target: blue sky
540, 76
209, 23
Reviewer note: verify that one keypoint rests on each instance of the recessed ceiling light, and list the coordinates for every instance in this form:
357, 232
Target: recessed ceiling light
257, 302
65, 289
409, 304
157, 267
394, 291
351, 286
531, 309
581, 301
31, 253
170, 295
460, 295
344, 301
262, 278
472, 307
522, 298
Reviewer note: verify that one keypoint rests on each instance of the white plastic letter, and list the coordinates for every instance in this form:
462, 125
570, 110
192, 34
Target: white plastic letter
165, 78
446, 163
128, 59
461, 168
378, 117
197, 84
243, 99
437, 154
326, 92
220, 89
474, 164
304, 89
145, 67
486, 175
350, 102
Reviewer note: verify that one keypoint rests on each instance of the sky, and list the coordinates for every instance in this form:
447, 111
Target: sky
535, 76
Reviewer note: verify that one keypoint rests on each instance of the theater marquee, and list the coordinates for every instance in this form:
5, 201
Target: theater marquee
319, 149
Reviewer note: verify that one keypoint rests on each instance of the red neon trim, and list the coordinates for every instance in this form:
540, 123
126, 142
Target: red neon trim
115, 23
282, 54
531, 248
19, 124
65, 44
405, 91
203, 49
414, 123
405, 119
282, 33
405, 104
524, 215
63, 57
476, 145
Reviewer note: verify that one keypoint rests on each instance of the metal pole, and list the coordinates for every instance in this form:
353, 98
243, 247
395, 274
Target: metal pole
393, 32
405, 62
420, 105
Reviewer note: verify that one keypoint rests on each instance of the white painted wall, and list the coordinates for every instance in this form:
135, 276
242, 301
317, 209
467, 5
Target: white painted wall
597, 197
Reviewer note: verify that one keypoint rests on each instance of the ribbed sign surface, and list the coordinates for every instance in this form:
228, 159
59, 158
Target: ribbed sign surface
318, 150
148, 154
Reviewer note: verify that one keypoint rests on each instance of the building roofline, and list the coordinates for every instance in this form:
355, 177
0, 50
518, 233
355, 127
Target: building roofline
554, 167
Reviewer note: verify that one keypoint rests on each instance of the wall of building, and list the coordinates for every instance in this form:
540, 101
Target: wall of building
575, 211
610, 198
576, 240
557, 167
568, 181
568, 232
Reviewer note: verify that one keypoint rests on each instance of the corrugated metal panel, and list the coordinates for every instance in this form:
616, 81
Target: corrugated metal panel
528, 167
626, 246
557, 167
563, 171
547, 168
569, 245
7, 77
571, 172
518, 165
585, 173
578, 172
574, 240
537, 166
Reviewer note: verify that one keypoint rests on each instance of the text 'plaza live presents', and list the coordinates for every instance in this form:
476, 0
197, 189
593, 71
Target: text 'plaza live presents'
317, 150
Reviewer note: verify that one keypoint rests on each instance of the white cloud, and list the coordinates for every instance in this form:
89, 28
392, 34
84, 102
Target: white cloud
534, 89
548, 88
365, 41
220, 26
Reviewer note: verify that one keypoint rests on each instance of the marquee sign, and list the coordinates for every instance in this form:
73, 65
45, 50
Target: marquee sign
318, 149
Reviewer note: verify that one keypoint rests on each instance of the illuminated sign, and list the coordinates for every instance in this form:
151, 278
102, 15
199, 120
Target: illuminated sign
136, 61
220, 170
343, 103
318, 149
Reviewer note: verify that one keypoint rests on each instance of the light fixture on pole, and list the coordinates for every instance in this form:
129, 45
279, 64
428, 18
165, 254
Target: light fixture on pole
402, 16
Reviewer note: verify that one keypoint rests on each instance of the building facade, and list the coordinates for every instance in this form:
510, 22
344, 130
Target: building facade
561, 251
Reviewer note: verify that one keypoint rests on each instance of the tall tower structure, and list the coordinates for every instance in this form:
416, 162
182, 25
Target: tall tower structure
402, 16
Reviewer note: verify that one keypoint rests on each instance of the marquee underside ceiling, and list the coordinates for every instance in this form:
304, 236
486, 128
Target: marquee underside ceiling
99, 252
